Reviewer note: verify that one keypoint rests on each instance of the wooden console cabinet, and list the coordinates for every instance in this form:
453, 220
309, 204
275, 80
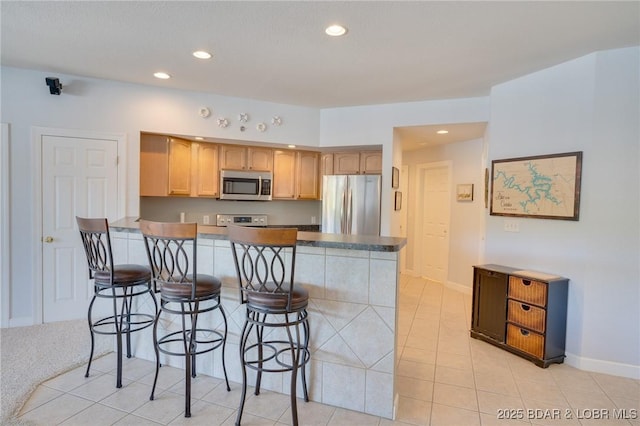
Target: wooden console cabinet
524, 312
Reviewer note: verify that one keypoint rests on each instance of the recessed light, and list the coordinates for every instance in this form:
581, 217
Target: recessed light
201, 54
291, 146
161, 75
199, 138
335, 30
442, 132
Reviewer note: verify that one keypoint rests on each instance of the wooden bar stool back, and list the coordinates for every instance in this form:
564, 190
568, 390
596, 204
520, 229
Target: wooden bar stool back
172, 252
120, 284
265, 267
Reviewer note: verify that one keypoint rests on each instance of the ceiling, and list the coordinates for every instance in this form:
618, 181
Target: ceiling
277, 51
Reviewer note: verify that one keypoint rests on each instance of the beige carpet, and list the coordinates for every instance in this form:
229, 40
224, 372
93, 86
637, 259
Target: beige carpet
32, 355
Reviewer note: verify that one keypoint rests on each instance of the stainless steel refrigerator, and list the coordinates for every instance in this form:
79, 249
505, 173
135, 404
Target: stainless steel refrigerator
351, 204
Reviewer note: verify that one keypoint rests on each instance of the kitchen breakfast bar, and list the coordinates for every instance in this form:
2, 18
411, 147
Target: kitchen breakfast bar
353, 288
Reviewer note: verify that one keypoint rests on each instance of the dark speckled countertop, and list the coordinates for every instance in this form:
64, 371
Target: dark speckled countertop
305, 238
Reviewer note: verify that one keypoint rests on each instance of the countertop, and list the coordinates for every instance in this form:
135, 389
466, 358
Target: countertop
312, 239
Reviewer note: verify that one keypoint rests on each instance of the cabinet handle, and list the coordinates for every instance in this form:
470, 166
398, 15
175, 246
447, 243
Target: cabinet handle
526, 282
524, 332
525, 307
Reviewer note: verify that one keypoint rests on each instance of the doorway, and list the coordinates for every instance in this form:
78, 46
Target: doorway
433, 220
80, 173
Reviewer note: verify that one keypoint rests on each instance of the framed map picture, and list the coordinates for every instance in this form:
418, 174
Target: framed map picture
543, 186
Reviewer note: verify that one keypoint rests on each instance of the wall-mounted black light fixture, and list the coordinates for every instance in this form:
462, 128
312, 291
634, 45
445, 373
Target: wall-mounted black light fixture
55, 87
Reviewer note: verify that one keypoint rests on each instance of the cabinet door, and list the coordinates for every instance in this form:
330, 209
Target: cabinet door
154, 166
233, 157
308, 175
260, 159
327, 164
284, 174
179, 167
371, 162
490, 303
346, 163
205, 173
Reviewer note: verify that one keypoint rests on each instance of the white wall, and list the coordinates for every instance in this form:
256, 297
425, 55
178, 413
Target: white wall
590, 104
466, 220
114, 107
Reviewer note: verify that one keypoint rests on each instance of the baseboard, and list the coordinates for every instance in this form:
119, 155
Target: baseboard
459, 287
601, 366
21, 322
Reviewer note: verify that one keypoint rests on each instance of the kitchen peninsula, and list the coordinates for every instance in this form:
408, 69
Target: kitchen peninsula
353, 286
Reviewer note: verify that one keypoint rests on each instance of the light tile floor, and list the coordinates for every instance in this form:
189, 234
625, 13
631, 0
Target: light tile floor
443, 378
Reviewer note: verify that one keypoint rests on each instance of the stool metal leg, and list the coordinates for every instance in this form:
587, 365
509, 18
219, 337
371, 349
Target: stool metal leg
156, 348
93, 299
305, 329
224, 344
117, 322
244, 336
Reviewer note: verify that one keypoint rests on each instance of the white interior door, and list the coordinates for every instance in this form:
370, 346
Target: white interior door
79, 178
434, 216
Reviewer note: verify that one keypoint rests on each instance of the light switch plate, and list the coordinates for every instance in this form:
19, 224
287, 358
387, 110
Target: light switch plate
511, 225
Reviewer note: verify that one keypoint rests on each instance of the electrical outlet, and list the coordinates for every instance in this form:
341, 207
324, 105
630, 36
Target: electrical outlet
511, 225
205, 219
313, 220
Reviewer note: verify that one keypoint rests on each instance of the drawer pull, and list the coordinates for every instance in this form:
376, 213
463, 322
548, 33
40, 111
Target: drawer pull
525, 307
526, 282
524, 332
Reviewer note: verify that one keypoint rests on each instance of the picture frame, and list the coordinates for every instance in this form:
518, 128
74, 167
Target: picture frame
395, 178
397, 205
541, 186
464, 192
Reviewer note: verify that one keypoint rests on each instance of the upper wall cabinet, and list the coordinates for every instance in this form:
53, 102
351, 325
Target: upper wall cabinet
296, 175
238, 157
326, 163
173, 166
154, 165
356, 162
371, 162
179, 167
204, 164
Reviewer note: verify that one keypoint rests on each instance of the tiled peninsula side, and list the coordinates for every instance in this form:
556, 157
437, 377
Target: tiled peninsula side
353, 287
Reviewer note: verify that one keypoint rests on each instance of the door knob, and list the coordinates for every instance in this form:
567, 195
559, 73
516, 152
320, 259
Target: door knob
48, 239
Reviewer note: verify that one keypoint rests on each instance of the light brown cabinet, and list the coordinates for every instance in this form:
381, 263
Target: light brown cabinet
296, 175
179, 182
165, 166
371, 162
356, 163
172, 166
308, 175
326, 163
154, 165
205, 176
238, 157
346, 163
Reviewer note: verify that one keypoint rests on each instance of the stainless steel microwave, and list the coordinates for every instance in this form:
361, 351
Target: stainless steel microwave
245, 185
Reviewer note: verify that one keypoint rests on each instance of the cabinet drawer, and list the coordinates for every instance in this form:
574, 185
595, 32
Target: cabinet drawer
528, 290
526, 315
525, 340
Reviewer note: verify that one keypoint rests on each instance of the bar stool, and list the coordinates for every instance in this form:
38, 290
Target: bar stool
265, 263
172, 252
120, 283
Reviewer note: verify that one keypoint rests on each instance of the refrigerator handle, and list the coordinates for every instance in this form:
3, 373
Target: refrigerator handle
343, 213
349, 212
